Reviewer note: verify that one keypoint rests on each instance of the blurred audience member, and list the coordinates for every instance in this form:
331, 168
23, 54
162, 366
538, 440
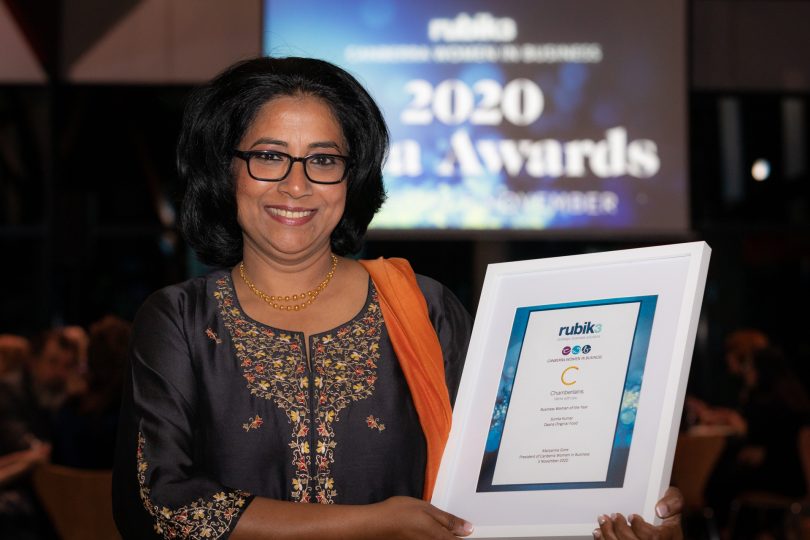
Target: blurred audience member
85, 428
76, 383
732, 393
28, 399
27, 402
741, 347
21, 517
776, 407
81, 340
54, 370
14, 354
16, 464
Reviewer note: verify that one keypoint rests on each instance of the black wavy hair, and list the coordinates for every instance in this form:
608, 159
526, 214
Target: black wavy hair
216, 118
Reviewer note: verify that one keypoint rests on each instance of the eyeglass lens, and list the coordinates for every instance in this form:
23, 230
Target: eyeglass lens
318, 167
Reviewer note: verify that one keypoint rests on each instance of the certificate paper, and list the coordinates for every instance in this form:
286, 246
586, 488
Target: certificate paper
567, 400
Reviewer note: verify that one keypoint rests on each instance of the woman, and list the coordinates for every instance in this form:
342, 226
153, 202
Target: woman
297, 375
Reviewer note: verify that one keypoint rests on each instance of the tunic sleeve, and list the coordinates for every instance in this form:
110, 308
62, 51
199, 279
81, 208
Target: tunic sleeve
453, 325
159, 489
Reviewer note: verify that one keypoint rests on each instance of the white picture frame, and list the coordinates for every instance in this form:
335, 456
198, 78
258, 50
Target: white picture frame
531, 456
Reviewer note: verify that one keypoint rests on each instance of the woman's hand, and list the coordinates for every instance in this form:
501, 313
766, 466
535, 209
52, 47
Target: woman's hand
406, 518
616, 526
397, 518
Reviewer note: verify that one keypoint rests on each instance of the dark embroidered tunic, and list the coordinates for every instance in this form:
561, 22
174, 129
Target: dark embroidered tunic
220, 408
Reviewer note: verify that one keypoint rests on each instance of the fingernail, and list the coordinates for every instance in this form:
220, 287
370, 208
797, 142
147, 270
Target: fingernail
468, 527
601, 520
612, 516
662, 510
597, 533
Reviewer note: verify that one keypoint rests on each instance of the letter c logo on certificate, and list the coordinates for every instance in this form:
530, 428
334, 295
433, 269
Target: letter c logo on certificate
569, 380
565, 421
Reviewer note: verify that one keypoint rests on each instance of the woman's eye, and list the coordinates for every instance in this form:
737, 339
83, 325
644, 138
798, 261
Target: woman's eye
269, 156
324, 160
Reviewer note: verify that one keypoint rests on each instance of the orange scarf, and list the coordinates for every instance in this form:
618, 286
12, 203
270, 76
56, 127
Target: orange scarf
417, 347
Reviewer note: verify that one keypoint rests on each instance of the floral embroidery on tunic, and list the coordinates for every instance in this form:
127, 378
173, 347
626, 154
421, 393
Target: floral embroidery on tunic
201, 519
254, 422
272, 366
344, 370
374, 423
213, 336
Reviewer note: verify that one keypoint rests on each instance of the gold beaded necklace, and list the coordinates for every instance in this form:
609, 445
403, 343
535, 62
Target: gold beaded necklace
307, 296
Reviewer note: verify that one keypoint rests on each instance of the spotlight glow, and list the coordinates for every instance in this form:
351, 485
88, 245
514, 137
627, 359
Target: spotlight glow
761, 170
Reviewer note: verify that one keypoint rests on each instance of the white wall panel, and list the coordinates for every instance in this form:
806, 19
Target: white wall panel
18, 63
172, 41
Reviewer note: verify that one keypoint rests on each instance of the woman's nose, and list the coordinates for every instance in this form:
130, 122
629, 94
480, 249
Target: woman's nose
296, 184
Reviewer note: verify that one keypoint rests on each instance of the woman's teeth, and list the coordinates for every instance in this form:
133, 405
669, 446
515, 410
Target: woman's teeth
292, 214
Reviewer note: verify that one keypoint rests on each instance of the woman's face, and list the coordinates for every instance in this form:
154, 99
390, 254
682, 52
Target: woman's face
293, 219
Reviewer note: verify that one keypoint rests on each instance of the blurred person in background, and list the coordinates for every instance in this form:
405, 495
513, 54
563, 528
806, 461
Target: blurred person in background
766, 459
85, 426
741, 348
29, 400
777, 406
21, 517
78, 335
731, 394
55, 370
14, 354
29, 393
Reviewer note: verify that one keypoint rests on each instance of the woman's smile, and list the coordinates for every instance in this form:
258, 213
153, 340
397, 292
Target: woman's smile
291, 216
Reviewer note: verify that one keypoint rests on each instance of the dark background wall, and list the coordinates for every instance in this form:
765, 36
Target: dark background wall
91, 94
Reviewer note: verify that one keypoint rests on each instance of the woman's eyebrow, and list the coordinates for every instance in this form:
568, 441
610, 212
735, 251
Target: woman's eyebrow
324, 144
265, 140
277, 142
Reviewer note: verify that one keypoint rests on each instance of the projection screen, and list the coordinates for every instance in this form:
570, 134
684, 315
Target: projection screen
548, 115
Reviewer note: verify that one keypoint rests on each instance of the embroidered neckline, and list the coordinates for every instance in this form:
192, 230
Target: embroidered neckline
371, 296
344, 369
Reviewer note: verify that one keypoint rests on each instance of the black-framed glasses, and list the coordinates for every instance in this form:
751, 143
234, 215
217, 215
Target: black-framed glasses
272, 166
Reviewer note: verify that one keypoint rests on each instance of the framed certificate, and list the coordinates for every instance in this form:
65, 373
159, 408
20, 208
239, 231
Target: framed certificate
572, 391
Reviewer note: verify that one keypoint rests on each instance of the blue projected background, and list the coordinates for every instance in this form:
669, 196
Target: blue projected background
523, 115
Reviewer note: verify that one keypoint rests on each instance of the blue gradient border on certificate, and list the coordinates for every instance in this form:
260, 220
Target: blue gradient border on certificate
627, 410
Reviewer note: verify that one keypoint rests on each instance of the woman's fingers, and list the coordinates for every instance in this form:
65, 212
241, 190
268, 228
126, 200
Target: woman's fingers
617, 527
410, 518
642, 529
669, 508
623, 529
671, 504
605, 530
670, 529
454, 524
